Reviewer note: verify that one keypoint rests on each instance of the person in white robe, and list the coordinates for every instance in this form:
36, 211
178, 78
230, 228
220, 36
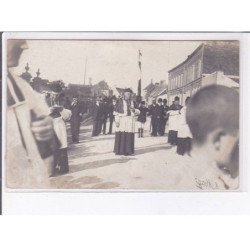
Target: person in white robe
125, 117
60, 116
184, 135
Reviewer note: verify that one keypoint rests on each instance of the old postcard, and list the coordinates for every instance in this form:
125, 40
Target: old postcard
127, 115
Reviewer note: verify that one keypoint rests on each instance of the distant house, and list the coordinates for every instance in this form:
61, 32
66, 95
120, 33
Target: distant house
155, 90
148, 89
101, 89
213, 62
81, 91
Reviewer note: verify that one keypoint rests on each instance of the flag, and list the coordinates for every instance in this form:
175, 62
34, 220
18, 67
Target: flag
139, 59
140, 54
139, 65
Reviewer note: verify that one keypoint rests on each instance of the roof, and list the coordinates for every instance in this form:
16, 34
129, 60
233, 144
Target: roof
217, 56
158, 90
102, 85
219, 78
149, 87
188, 58
221, 56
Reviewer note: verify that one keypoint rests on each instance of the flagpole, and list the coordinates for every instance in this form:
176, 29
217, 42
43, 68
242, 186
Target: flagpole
85, 69
140, 68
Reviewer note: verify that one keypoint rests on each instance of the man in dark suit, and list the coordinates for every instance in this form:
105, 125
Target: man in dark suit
111, 107
96, 114
75, 120
154, 120
159, 116
165, 115
104, 115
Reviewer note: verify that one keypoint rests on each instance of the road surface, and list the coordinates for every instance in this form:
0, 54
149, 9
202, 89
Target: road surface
93, 165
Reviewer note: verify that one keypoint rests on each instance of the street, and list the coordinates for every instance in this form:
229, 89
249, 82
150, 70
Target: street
93, 165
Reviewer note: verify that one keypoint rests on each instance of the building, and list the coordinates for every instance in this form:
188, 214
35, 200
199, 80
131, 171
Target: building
155, 91
101, 89
40, 85
26, 75
213, 62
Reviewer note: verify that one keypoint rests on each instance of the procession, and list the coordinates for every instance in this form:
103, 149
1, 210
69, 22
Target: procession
179, 135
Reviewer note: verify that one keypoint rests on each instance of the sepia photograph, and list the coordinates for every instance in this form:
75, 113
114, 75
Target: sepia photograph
122, 115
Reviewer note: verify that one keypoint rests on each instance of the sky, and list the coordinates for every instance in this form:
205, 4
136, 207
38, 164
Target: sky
116, 62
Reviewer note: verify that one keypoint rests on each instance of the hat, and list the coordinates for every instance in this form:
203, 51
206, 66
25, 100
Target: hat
128, 90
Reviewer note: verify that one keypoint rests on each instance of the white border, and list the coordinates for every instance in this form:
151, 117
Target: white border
81, 202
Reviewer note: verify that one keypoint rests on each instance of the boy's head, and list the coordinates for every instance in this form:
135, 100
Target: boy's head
165, 101
15, 49
176, 100
160, 101
128, 94
213, 118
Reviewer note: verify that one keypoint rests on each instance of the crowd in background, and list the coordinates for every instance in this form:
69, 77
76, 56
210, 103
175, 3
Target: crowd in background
37, 131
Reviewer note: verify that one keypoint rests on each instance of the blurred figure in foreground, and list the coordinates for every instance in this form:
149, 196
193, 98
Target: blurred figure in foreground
31, 141
213, 119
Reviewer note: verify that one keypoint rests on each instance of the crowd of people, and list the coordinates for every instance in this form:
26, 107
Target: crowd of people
206, 130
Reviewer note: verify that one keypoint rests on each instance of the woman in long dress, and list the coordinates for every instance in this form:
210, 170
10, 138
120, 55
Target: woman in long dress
125, 116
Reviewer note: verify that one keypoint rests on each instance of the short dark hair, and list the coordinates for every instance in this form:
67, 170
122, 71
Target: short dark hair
213, 107
159, 100
165, 101
177, 98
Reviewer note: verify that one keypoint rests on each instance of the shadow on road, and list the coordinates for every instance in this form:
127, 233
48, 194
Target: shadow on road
97, 164
151, 149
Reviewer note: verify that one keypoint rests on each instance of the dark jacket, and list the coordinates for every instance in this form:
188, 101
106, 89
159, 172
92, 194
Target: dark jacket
119, 108
175, 107
152, 110
157, 111
143, 114
165, 110
76, 111
96, 112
